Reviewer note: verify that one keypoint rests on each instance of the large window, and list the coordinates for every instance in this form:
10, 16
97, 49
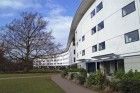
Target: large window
101, 26
128, 9
93, 30
94, 48
99, 7
83, 38
131, 36
93, 13
83, 52
101, 46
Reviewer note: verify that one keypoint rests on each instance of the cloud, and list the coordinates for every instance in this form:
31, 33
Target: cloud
7, 15
59, 23
18, 4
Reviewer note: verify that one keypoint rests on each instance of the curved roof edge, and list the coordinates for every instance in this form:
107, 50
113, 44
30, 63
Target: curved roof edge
84, 6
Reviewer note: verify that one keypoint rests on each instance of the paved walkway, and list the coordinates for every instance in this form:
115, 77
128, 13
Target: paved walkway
68, 86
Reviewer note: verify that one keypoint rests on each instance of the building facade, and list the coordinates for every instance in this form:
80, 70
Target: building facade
107, 35
104, 35
58, 60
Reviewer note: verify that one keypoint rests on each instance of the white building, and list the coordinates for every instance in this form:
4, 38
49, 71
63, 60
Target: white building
57, 60
106, 35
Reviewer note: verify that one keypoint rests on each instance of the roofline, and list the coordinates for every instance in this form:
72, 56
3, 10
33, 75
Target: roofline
84, 6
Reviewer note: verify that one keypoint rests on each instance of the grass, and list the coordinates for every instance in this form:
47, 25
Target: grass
28, 85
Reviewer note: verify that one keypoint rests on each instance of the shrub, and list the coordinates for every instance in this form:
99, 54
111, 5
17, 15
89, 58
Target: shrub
83, 72
72, 76
129, 86
97, 79
64, 73
114, 85
81, 79
128, 82
119, 74
91, 79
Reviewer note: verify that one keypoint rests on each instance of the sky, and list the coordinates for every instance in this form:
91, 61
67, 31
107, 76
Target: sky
59, 13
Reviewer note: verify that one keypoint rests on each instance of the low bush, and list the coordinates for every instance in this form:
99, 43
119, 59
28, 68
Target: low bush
97, 79
119, 74
114, 85
83, 72
81, 79
128, 82
91, 80
129, 86
64, 73
72, 76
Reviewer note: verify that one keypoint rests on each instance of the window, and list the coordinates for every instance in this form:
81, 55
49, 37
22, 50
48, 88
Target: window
94, 48
101, 46
83, 38
101, 26
128, 9
83, 52
99, 7
93, 13
74, 52
74, 59
73, 43
131, 36
93, 30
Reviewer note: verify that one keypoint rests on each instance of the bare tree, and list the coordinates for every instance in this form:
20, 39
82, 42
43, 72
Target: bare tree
26, 38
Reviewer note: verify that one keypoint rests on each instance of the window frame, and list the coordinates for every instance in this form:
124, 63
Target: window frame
130, 33
94, 29
97, 8
102, 22
104, 46
83, 38
83, 52
126, 7
93, 13
94, 46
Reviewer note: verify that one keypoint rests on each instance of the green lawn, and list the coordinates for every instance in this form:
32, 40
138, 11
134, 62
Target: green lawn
28, 85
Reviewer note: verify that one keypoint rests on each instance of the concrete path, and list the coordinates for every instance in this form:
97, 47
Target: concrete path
68, 86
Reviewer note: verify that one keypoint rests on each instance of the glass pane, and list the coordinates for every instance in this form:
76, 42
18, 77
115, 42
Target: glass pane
99, 7
92, 13
128, 9
101, 25
93, 30
132, 36
102, 46
94, 48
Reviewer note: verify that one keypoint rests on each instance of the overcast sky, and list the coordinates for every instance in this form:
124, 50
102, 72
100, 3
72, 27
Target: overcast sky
59, 13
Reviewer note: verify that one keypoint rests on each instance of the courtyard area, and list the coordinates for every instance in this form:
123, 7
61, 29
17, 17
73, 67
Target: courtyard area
28, 83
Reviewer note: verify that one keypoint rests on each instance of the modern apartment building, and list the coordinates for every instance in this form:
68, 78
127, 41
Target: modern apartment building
58, 60
104, 36
107, 34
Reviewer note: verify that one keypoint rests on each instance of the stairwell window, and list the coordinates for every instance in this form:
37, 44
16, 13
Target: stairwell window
83, 38
101, 26
99, 7
94, 48
101, 46
131, 36
92, 13
83, 52
128, 9
93, 30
